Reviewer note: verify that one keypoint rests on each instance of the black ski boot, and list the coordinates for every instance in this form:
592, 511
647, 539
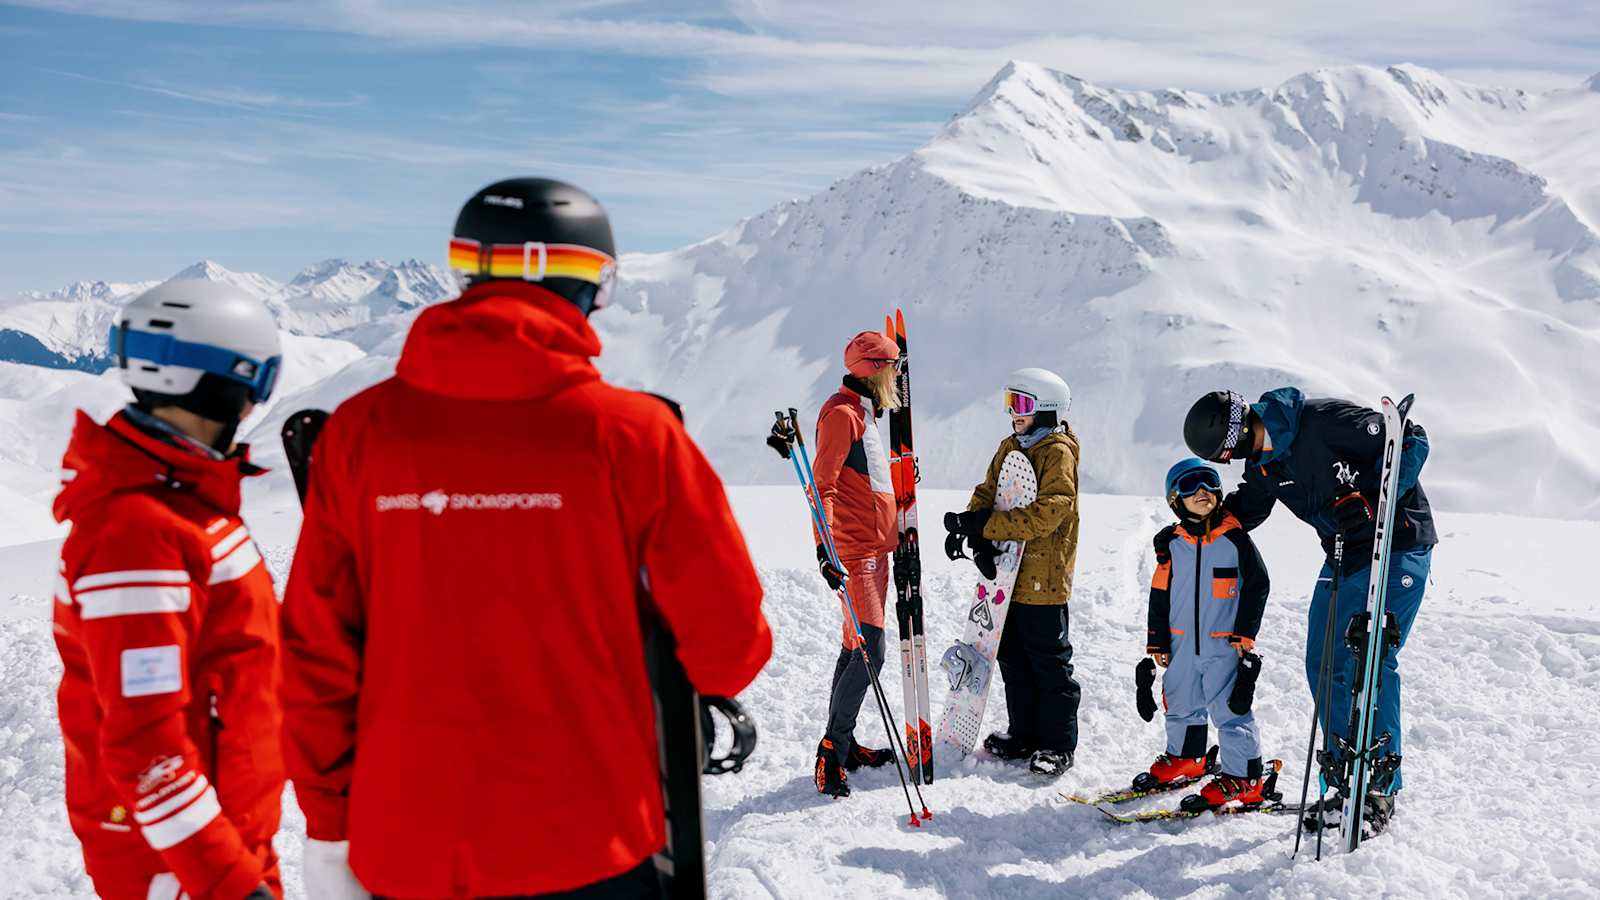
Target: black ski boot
830, 777
1006, 747
870, 758
1050, 763
1329, 814
1380, 809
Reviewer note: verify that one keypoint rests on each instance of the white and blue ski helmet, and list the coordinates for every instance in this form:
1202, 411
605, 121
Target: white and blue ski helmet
198, 345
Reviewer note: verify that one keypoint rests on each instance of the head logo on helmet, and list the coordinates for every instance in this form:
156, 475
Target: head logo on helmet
537, 230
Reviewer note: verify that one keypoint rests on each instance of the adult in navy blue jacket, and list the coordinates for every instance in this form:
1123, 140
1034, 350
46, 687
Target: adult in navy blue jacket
1321, 458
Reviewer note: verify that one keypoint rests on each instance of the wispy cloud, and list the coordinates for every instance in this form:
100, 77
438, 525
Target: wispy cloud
233, 98
916, 48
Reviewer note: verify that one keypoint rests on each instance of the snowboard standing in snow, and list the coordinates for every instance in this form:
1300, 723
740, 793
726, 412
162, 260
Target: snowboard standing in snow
969, 665
908, 568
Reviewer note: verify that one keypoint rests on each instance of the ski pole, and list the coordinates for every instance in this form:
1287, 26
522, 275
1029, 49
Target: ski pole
1320, 700
786, 437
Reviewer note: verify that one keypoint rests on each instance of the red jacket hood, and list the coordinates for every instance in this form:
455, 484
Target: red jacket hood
499, 341
104, 459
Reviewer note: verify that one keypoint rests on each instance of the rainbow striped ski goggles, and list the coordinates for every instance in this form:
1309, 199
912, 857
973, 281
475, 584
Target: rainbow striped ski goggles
535, 261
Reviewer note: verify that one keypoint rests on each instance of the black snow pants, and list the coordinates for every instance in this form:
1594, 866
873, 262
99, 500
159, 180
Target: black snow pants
1036, 664
850, 685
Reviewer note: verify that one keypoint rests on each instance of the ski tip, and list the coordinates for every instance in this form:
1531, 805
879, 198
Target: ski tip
915, 822
926, 814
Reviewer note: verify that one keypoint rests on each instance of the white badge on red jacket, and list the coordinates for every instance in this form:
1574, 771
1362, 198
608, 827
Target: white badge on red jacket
152, 670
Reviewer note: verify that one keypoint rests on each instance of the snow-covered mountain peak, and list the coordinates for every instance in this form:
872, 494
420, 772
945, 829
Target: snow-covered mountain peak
1593, 83
251, 283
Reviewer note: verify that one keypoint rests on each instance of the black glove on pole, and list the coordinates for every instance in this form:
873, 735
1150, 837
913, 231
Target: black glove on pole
831, 575
1350, 512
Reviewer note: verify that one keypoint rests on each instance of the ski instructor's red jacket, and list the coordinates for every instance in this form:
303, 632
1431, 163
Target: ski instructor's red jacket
465, 691
167, 625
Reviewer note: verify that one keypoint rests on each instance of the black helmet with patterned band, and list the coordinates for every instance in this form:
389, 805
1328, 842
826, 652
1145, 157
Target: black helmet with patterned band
1218, 427
538, 230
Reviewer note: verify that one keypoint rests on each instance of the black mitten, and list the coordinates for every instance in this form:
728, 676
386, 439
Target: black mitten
1144, 679
984, 554
1244, 684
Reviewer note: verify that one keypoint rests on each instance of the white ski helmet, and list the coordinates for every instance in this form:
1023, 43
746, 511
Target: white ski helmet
1030, 392
198, 345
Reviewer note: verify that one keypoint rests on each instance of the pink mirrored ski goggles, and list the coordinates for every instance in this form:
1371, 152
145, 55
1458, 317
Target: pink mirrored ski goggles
1020, 403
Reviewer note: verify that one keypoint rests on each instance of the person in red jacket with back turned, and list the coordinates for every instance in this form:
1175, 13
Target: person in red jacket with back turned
852, 472
467, 707
165, 616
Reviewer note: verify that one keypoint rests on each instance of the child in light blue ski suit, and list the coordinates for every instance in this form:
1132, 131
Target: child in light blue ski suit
1206, 602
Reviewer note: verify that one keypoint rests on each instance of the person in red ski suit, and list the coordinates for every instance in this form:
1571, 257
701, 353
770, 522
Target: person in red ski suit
857, 500
165, 616
467, 706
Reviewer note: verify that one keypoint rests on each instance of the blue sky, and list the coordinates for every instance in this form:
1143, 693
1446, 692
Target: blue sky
136, 138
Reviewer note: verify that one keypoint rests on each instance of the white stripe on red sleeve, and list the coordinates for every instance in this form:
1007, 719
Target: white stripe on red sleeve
185, 823
225, 546
130, 576
129, 601
235, 565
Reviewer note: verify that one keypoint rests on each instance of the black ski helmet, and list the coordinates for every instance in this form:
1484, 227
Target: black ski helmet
538, 230
1218, 427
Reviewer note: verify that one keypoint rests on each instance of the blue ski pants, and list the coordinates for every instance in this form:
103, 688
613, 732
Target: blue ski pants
1196, 688
1408, 577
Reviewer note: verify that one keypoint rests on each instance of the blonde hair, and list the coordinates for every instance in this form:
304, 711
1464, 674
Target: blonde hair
882, 385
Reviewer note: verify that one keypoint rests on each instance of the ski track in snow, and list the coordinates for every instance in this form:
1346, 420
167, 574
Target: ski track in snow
1501, 672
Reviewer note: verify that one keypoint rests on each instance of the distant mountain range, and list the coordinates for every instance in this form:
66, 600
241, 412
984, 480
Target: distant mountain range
1354, 231
67, 328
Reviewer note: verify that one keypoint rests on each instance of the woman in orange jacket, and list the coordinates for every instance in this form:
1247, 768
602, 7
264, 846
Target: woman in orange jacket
857, 499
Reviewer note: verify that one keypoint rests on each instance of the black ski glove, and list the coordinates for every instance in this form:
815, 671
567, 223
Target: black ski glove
953, 547
968, 523
1350, 512
1244, 684
1162, 541
984, 553
1144, 681
830, 574
262, 892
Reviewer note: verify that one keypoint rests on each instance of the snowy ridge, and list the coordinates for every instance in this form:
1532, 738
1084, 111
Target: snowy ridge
1355, 231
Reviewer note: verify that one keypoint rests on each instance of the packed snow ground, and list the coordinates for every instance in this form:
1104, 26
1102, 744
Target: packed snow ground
1501, 673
